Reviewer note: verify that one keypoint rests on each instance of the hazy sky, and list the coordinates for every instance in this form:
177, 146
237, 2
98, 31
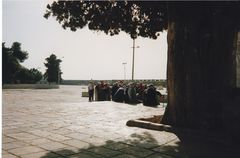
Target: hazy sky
85, 54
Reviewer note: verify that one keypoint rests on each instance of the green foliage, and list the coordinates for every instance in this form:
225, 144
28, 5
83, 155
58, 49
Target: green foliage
18, 53
13, 71
35, 75
53, 72
137, 18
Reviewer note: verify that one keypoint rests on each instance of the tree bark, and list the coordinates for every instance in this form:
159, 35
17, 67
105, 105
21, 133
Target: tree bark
201, 64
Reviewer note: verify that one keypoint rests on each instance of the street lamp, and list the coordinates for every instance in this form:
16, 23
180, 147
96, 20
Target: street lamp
133, 58
124, 64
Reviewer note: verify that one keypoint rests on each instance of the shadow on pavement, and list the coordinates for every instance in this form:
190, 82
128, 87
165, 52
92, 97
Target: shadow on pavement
188, 145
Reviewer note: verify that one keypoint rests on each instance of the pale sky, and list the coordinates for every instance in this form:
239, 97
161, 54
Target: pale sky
85, 54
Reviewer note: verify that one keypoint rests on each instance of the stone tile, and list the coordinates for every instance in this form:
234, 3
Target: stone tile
65, 152
7, 140
124, 156
159, 155
57, 137
43, 154
104, 151
136, 151
38, 141
8, 156
13, 145
77, 143
62, 131
78, 136
4, 152
52, 146
40, 133
23, 136
25, 150
147, 145
116, 145
12, 131
88, 138
85, 155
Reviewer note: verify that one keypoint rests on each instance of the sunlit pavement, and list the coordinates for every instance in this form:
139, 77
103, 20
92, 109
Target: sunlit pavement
60, 123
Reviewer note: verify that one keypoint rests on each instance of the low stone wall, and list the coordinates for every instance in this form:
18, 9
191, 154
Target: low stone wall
30, 86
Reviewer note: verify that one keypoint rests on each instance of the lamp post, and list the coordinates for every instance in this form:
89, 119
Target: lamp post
133, 58
124, 65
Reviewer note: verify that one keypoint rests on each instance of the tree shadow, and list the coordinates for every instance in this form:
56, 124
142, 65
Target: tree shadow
185, 144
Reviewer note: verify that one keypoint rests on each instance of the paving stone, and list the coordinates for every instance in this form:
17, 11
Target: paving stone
12, 131
23, 136
43, 154
104, 151
62, 131
4, 152
9, 156
40, 133
7, 140
116, 145
25, 150
68, 151
13, 145
84, 155
124, 156
139, 152
92, 140
77, 143
57, 137
52, 146
38, 141
159, 155
78, 136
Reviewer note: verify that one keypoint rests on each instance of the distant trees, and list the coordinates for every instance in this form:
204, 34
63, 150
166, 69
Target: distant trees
53, 72
12, 70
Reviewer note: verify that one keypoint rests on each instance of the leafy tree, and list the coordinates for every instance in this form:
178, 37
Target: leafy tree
36, 75
201, 71
13, 71
28, 76
53, 72
11, 58
17, 52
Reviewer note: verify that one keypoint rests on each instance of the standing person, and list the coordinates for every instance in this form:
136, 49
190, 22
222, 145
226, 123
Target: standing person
90, 91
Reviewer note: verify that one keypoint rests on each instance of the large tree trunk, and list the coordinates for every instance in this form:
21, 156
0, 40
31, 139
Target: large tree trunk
201, 63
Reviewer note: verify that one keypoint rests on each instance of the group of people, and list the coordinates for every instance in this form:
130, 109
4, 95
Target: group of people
132, 93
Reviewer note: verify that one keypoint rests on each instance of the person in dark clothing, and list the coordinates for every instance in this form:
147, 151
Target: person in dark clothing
119, 95
101, 94
114, 89
150, 96
97, 92
107, 92
131, 92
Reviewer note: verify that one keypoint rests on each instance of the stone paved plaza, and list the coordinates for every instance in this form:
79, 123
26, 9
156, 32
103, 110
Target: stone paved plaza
60, 123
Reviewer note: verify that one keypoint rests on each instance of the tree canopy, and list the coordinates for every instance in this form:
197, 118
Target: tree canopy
135, 18
53, 72
13, 71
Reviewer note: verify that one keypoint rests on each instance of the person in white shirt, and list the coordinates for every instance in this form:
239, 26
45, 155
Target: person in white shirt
90, 91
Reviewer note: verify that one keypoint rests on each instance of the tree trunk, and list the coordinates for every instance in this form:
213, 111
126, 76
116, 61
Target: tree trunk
201, 63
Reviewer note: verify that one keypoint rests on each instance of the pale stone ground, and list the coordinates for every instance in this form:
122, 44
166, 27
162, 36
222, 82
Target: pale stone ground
60, 123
